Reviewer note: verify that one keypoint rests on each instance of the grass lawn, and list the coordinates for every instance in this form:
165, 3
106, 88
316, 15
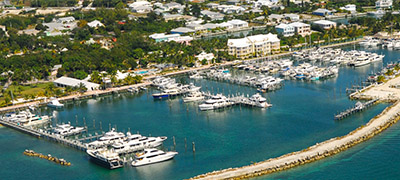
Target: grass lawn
20, 90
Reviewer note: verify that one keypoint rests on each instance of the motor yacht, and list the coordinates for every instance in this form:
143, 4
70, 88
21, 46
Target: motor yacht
105, 158
107, 139
215, 102
259, 101
151, 156
67, 130
194, 96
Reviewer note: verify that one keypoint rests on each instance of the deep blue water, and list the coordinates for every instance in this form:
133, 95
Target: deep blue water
302, 115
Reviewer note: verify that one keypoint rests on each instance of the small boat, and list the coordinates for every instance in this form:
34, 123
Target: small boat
151, 156
194, 96
105, 158
54, 103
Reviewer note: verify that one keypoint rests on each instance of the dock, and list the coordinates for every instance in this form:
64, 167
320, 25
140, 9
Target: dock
357, 108
45, 135
234, 100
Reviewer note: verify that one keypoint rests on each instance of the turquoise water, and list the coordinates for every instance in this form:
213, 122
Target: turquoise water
302, 115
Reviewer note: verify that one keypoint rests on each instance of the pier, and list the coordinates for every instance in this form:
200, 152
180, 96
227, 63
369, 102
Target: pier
43, 134
357, 108
238, 99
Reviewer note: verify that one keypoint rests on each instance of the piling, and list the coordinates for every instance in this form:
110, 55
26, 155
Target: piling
194, 147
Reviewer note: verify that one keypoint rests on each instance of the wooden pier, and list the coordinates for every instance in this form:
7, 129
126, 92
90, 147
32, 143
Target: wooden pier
355, 109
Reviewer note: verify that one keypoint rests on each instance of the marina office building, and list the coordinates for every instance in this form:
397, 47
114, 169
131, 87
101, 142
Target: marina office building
257, 45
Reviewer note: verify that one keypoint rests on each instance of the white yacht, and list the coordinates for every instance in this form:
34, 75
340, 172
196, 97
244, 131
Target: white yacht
108, 138
259, 101
26, 118
216, 102
106, 158
196, 76
194, 96
54, 103
67, 130
136, 142
150, 156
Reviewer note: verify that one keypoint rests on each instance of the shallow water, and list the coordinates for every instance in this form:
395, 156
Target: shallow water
301, 115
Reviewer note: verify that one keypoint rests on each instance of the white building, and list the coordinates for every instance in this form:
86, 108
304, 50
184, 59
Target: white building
95, 24
285, 29
258, 45
181, 39
301, 29
384, 4
72, 82
229, 9
236, 23
225, 25
68, 19
207, 56
213, 15
292, 17
160, 37
141, 7
325, 24
349, 7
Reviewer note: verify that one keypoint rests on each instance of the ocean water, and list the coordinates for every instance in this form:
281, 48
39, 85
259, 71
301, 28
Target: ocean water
301, 115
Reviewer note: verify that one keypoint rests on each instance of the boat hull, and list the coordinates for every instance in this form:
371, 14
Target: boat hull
169, 156
109, 165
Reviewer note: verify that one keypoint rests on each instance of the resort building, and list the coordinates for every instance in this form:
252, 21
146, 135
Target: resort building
285, 29
72, 82
301, 29
322, 12
384, 4
325, 24
258, 45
